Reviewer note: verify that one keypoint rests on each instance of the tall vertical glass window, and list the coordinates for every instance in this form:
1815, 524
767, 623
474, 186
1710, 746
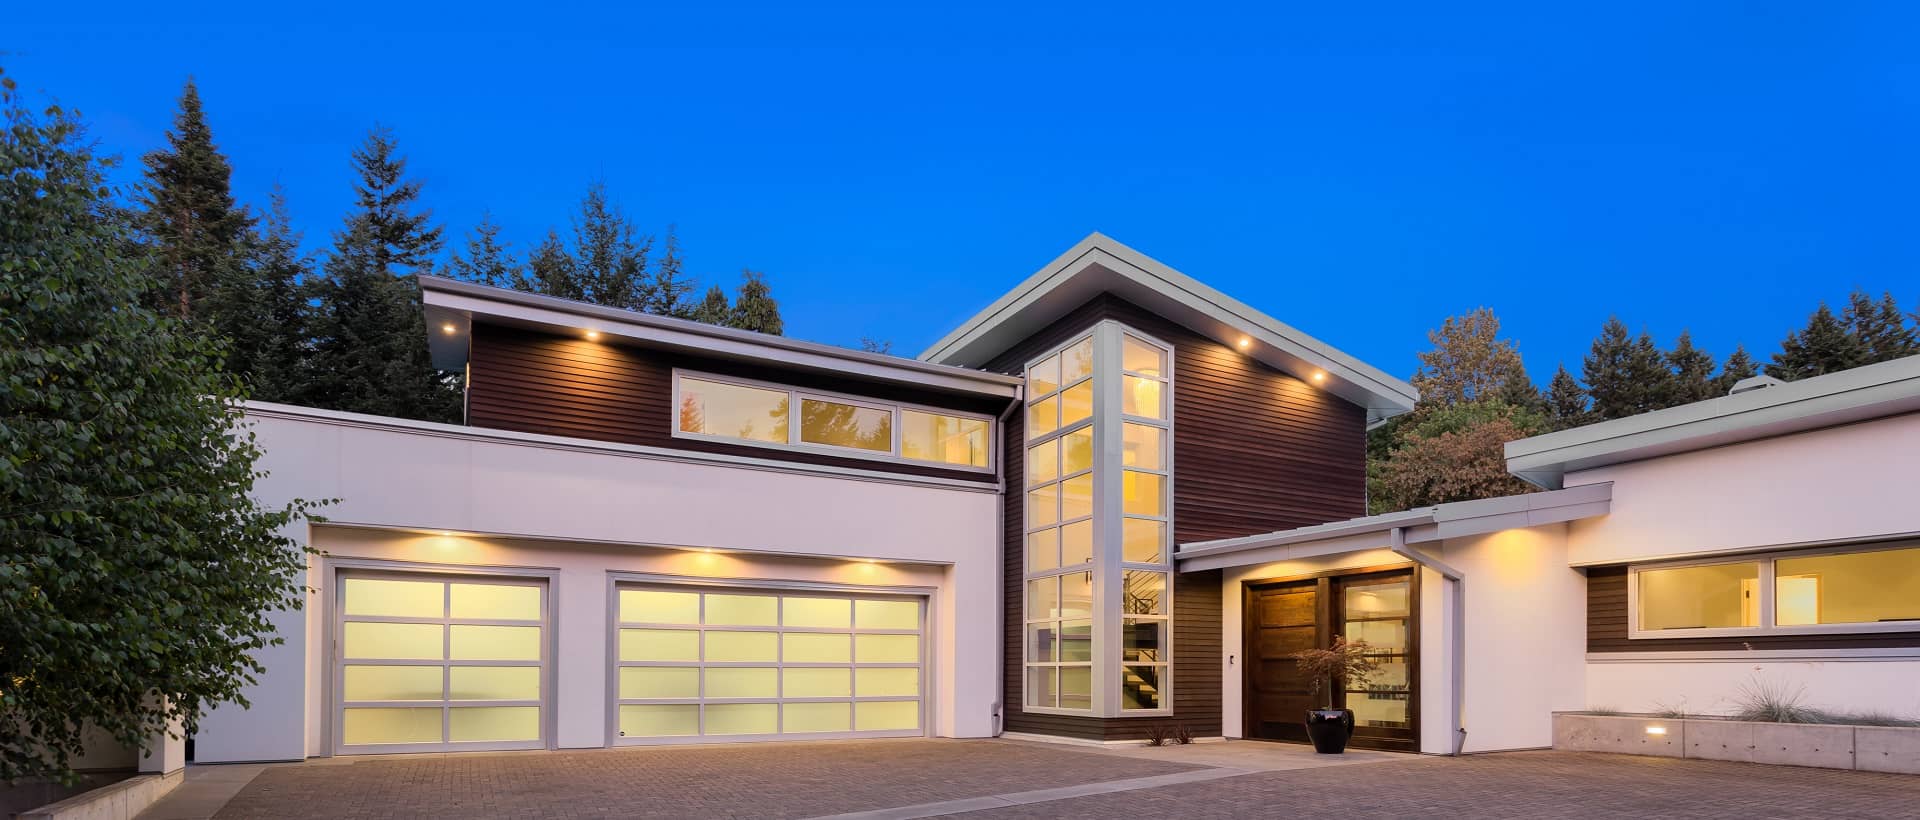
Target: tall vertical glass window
1098, 497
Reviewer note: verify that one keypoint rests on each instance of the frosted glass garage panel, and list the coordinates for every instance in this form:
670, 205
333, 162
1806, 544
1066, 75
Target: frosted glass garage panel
801, 718
468, 724
743, 610
493, 643
393, 641
742, 718
886, 648
659, 682
825, 613
886, 715
392, 683
382, 597
646, 606
887, 614
809, 647
379, 725
496, 602
887, 682
493, 683
811, 682
737, 647
659, 645
659, 720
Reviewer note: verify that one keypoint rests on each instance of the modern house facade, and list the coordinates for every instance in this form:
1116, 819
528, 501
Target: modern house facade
1116, 498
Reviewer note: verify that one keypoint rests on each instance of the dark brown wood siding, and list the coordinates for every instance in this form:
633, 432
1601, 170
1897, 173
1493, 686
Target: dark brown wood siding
1607, 627
1255, 450
541, 383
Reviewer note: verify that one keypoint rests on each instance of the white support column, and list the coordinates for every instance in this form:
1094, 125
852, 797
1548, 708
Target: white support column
164, 751
1108, 594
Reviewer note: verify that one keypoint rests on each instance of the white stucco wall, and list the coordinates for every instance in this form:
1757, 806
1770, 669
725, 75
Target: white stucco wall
1713, 687
1525, 607
621, 512
1843, 482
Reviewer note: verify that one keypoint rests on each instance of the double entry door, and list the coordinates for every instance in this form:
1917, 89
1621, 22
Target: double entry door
1285, 616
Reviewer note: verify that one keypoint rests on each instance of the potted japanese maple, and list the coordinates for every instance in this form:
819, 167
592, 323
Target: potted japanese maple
1346, 661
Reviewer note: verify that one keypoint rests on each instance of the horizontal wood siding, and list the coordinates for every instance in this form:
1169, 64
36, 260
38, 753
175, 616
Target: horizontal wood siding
1255, 450
1607, 627
553, 385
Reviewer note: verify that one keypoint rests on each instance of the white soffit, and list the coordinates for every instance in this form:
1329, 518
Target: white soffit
451, 306
1874, 391
1099, 264
1457, 519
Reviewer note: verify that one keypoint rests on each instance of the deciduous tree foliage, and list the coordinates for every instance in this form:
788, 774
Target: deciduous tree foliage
135, 571
1468, 361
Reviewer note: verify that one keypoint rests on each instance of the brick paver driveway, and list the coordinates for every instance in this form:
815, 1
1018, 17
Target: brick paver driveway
812, 779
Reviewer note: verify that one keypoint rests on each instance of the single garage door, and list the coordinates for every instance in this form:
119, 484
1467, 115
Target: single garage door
439, 663
710, 664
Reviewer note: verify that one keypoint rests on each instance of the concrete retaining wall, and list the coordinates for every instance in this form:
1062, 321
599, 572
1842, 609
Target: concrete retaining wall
119, 801
1866, 748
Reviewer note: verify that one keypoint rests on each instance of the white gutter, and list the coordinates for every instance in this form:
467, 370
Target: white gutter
1457, 624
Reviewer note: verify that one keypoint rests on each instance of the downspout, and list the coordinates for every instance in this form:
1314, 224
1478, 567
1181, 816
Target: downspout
1457, 625
999, 717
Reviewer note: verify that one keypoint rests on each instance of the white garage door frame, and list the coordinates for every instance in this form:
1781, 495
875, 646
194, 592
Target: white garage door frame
335, 569
927, 597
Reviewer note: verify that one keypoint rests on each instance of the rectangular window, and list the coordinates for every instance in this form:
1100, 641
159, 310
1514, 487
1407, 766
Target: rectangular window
743, 412
1852, 589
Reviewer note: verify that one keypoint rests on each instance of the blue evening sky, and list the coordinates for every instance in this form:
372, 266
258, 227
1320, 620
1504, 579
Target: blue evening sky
1358, 170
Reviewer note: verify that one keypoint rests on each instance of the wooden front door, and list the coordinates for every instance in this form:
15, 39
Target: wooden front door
1282, 619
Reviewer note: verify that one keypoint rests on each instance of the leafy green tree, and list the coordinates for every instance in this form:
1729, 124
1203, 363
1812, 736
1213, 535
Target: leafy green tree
713, 309
670, 284
135, 569
1825, 345
1625, 376
487, 260
1881, 328
1692, 373
197, 231
1566, 401
551, 271
370, 333
611, 265
1738, 366
754, 308
271, 350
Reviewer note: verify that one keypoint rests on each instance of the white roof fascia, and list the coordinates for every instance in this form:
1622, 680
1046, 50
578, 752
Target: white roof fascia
1874, 391
1457, 519
451, 302
1272, 341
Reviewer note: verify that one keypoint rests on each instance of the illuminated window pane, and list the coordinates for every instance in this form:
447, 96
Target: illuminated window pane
1043, 550
402, 599
945, 439
646, 606
659, 682
1382, 709
1141, 446
1076, 687
886, 648
816, 717
659, 720
1076, 497
846, 425
494, 643
1076, 640
1076, 543
1043, 686
1141, 397
500, 602
496, 723
742, 646
1043, 598
741, 682
1076, 451
1043, 417
1076, 362
1382, 600
392, 683
886, 614
1384, 636
886, 715
1143, 493
393, 641
1848, 588
1140, 687
733, 410
1043, 462
1139, 357
1043, 641
1076, 595
1143, 640
1142, 541
1145, 593
742, 718
494, 683
743, 610
813, 682
827, 613
1044, 378
1076, 403
1043, 506
1720, 595
659, 645
886, 682
364, 726
807, 647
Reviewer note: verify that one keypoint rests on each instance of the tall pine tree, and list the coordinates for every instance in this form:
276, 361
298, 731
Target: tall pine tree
713, 309
371, 338
1825, 345
1625, 376
669, 285
487, 260
197, 230
1881, 328
1566, 401
551, 271
1692, 370
271, 352
1738, 366
754, 308
611, 263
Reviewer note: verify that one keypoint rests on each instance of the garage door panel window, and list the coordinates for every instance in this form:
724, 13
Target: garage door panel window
733, 664
431, 662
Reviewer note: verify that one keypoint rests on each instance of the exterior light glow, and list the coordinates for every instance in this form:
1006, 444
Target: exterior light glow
446, 534
1245, 343
593, 334
1656, 730
449, 328
1319, 376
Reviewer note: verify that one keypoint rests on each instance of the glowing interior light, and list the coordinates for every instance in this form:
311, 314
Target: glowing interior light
449, 328
1656, 730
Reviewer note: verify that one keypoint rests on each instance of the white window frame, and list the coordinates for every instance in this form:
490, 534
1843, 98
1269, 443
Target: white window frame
1027, 576
1165, 565
796, 395
1768, 591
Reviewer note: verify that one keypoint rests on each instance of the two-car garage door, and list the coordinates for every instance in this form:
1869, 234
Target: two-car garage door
428, 662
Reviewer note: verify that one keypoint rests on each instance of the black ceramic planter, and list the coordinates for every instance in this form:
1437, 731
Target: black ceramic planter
1329, 729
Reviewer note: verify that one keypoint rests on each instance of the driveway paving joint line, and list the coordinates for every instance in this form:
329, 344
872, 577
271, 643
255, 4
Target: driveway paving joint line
945, 807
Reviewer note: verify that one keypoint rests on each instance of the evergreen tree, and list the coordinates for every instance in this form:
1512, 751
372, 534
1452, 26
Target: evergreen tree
670, 284
197, 231
713, 309
872, 345
1625, 376
488, 261
1881, 328
1738, 366
1566, 401
611, 266
551, 271
755, 309
1826, 345
271, 351
1692, 370
371, 339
